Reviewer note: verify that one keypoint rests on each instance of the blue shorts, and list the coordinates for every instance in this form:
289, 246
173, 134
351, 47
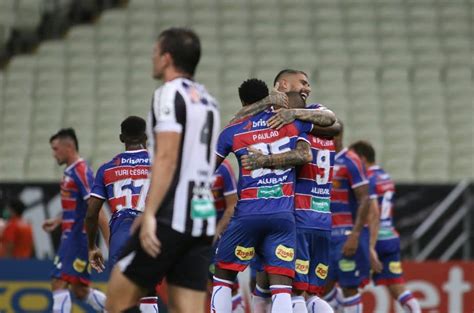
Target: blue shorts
71, 262
271, 236
312, 260
389, 254
349, 272
120, 225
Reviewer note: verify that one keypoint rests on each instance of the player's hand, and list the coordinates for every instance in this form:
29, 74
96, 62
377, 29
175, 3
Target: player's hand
253, 160
51, 224
136, 223
281, 118
96, 259
375, 263
277, 98
351, 244
148, 239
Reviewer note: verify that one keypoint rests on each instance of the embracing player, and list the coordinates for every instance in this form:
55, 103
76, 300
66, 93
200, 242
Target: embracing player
123, 184
71, 266
388, 242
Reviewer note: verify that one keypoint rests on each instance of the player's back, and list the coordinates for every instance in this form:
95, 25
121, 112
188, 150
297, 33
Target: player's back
262, 191
75, 190
184, 106
349, 174
122, 180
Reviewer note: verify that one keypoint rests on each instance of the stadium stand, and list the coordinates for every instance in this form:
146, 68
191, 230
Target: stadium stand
398, 72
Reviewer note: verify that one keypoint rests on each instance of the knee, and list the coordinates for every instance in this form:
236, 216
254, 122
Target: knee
225, 274
80, 291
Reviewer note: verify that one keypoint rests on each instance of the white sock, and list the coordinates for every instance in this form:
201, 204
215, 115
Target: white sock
261, 300
149, 305
299, 304
331, 298
315, 304
221, 301
238, 305
96, 299
281, 299
352, 304
62, 301
409, 302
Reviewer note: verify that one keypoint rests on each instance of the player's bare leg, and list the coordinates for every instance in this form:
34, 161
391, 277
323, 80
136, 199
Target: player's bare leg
122, 293
404, 297
185, 300
261, 298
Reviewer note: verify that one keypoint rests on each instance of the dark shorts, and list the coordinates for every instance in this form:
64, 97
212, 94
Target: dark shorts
184, 260
389, 254
120, 225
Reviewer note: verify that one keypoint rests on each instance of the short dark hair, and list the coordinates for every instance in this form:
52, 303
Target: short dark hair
364, 149
133, 128
252, 90
287, 71
183, 45
66, 133
17, 206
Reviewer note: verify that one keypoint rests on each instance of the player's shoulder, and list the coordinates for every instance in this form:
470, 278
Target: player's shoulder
81, 166
352, 156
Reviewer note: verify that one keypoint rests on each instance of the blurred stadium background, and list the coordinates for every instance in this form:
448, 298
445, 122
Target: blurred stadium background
398, 72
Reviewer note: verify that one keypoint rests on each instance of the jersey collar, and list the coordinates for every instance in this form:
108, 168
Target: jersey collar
340, 153
134, 151
73, 164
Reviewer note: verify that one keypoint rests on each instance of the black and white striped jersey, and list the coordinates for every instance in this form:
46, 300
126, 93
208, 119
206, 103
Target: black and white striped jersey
184, 106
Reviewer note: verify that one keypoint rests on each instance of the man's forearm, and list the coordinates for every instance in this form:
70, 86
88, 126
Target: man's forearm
299, 156
374, 222
322, 118
329, 131
253, 108
362, 213
92, 225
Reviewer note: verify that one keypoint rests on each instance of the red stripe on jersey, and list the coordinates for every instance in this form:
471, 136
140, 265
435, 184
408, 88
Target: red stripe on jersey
252, 193
219, 204
341, 219
68, 204
311, 170
352, 156
339, 195
321, 144
266, 135
114, 202
342, 172
114, 174
67, 225
68, 184
81, 172
302, 201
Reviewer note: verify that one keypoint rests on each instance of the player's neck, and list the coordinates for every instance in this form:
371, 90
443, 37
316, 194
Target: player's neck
72, 159
172, 74
134, 147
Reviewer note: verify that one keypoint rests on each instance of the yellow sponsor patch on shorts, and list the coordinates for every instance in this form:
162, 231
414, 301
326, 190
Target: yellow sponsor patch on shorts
321, 271
302, 266
347, 265
395, 267
285, 253
79, 265
244, 254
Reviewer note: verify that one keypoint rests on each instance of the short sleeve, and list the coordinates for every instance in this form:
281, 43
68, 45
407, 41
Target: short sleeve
230, 185
224, 143
168, 110
304, 128
84, 179
356, 172
98, 189
372, 187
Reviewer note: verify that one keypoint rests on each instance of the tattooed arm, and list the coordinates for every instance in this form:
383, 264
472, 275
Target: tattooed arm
255, 159
275, 98
321, 118
328, 132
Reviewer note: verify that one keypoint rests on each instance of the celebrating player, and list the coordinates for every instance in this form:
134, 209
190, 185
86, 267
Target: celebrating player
388, 243
178, 223
123, 183
71, 262
349, 255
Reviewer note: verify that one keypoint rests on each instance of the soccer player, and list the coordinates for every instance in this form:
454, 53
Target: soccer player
349, 255
71, 266
224, 190
263, 222
123, 184
388, 243
178, 223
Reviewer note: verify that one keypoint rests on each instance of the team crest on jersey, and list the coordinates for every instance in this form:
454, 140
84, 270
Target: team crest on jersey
248, 126
79, 265
244, 254
284, 253
321, 271
302, 266
395, 267
194, 95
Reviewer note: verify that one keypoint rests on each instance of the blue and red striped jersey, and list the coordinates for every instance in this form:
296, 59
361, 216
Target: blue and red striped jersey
314, 183
224, 184
75, 190
384, 189
265, 190
349, 173
123, 180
